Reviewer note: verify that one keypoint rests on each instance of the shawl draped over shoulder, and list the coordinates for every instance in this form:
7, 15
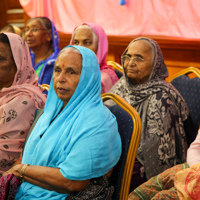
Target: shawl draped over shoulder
163, 112
108, 75
82, 141
48, 64
18, 104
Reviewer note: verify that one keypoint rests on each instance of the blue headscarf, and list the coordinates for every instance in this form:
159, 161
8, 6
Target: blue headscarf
47, 70
83, 140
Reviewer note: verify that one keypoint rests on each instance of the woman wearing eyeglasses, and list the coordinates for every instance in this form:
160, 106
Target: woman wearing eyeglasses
43, 40
164, 113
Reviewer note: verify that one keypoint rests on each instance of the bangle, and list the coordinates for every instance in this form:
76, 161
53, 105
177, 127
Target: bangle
21, 173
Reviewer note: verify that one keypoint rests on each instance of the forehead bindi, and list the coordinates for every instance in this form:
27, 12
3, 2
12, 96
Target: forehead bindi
68, 58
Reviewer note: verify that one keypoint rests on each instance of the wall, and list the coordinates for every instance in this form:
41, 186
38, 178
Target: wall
178, 53
11, 12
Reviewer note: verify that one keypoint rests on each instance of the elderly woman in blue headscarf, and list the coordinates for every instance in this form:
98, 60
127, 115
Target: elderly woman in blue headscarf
75, 143
43, 40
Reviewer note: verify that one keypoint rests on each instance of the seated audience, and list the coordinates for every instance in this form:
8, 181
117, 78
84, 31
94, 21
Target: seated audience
11, 29
176, 182
20, 96
43, 40
163, 111
93, 37
75, 143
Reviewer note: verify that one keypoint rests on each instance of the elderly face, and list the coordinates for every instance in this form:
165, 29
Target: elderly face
139, 67
7, 66
67, 72
85, 36
36, 35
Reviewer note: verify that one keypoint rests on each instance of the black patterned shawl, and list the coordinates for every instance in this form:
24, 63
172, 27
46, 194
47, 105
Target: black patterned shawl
163, 112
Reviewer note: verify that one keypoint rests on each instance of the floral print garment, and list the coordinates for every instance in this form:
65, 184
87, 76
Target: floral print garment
18, 104
163, 112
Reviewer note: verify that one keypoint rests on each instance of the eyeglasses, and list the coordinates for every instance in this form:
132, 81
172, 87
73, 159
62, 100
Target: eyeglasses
136, 59
33, 30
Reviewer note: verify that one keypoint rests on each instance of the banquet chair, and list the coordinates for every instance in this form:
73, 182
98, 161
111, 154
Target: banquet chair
189, 88
129, 127
117, 67
46, 87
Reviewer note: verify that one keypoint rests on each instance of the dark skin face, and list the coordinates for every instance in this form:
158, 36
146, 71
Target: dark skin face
38, 38
139, 71
85, 36
7, 66
67, 72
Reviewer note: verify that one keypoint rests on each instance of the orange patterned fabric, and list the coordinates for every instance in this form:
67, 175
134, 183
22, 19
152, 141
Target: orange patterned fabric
154, 189
187, 183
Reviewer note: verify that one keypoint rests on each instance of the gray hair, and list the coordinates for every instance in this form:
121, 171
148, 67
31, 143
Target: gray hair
44, 21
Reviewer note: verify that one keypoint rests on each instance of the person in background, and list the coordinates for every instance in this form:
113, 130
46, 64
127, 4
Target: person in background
74, 144
12, 29
94, 37
20, 96
164, 114
43, 40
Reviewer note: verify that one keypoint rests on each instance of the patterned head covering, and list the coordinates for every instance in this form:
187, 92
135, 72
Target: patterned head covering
55, 38
46, 72
18, 103
25, 78
102, 49
54, 32
162, 111
159, 69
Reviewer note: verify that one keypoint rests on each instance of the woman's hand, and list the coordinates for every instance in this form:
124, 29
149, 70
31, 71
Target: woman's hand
10, 171
168, 181
14, 170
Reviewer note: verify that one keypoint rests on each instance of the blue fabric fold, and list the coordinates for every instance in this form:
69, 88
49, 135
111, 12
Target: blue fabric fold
83, 140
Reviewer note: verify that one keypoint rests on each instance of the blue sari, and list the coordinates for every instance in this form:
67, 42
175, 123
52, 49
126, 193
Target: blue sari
82, 141
46, 72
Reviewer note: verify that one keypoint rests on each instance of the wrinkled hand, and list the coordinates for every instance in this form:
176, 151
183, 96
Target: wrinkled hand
14, 170
5, 173
168, 181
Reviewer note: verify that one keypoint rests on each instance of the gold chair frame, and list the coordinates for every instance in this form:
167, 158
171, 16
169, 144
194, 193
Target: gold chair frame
133, 146
186, 71
115, 65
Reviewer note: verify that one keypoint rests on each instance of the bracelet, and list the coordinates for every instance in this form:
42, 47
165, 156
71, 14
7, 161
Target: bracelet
21, 173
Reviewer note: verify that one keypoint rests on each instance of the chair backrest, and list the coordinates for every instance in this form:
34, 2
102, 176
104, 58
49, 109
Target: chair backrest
186, 71
117, 67
129, 127
189, 88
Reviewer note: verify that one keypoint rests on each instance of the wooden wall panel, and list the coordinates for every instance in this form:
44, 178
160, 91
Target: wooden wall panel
11, 13
2, 13
178, 53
